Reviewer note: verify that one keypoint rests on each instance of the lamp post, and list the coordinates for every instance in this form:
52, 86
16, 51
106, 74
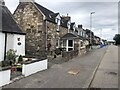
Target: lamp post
91, 28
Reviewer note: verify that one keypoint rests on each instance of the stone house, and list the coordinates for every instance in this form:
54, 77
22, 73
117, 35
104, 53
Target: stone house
97, 40
90, 35
83, 41
43, 27
11, 35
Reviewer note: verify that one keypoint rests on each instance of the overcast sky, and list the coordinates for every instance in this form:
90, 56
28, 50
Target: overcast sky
104, 21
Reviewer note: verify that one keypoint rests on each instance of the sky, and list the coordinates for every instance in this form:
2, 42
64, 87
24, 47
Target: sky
104, 20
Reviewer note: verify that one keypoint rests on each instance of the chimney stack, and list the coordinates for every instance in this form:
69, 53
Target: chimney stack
80, 26
26, 0
2, 2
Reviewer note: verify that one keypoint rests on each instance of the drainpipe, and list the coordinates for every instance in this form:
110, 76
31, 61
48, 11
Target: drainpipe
5, 46
46, 32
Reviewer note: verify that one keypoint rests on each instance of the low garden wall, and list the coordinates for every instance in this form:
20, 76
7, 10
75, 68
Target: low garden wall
5, 76
34, 66
69, 55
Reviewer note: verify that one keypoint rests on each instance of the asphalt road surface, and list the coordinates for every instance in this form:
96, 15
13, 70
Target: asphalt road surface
76, 73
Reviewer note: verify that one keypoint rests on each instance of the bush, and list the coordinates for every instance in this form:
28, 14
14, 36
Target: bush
58, 51
11, 55
20, 58
5, 63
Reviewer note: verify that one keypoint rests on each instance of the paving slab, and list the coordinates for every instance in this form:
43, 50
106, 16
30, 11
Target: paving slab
107, 73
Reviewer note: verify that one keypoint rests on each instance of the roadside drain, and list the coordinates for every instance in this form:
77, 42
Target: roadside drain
73, 71
112, 73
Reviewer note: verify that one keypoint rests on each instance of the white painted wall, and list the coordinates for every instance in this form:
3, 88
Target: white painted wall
20, 48
34, 67
4, 77
2, 44
10, 42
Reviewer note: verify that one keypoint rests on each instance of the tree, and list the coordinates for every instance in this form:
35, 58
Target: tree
117, 39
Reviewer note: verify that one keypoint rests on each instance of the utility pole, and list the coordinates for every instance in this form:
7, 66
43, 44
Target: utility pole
91, 28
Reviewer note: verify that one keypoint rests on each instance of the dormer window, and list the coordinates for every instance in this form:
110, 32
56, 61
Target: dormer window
50, 16
58, 24
62, 22
57, 20
68, 24
74, 27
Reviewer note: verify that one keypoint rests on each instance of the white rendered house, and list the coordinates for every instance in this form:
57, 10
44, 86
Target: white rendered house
11, 35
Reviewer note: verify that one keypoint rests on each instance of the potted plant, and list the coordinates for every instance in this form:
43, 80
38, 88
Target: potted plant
20, 61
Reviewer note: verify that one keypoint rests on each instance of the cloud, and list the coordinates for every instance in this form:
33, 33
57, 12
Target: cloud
105, 17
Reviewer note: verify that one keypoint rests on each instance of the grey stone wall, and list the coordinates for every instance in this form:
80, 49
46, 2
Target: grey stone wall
52, 35
69, 55
31, 22
63, 31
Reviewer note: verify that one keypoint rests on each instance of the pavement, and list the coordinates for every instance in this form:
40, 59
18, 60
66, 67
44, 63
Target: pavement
107, 73
76, 73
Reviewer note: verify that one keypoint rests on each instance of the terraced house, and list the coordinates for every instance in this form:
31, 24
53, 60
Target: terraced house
45, 29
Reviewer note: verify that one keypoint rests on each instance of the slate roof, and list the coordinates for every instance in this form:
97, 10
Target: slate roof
71, 25
8, 23
88, 32
50, 16
97, 37
69, 36
64, 22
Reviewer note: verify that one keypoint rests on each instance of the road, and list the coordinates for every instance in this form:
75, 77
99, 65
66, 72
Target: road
59, 75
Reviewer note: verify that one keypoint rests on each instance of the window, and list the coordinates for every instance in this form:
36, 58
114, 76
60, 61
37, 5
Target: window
70, 49
81, 43
58, 23
74, 27
68, 24
64, 43
70, 43
81, 33
57, 43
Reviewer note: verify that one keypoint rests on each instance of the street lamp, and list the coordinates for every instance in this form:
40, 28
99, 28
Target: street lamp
91, 28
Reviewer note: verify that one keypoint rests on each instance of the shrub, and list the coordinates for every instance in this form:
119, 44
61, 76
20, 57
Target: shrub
57, 51
20, 58
11, 55
5, 63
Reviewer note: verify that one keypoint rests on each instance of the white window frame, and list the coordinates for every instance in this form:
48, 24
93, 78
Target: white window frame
58, 22
67, 47
58, 41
